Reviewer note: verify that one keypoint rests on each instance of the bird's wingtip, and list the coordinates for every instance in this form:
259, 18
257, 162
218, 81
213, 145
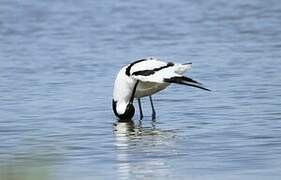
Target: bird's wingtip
207, 89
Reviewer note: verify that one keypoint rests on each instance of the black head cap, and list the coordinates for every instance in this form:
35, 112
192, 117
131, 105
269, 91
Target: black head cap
127, 115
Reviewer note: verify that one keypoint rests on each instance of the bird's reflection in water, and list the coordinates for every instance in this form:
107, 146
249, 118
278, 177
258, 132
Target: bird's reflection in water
130, 128
123, 127
134, 138
122, 131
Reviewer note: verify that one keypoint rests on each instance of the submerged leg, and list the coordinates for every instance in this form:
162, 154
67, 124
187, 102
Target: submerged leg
139, 102
152, 106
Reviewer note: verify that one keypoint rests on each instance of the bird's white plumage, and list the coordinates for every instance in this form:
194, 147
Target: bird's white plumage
122, 90
148, 84
158, 77
149, 64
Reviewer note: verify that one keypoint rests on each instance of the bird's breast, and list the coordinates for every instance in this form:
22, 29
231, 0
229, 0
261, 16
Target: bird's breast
149, 88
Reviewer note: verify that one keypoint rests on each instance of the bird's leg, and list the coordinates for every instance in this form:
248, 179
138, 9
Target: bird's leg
152, 106
139, 102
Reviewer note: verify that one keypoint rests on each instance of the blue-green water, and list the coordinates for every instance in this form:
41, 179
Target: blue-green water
58, 61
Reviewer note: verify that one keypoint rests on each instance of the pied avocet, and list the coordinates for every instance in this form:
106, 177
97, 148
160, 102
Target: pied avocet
146, 77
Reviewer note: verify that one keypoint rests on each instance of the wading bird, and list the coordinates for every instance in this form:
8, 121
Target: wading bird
145, 77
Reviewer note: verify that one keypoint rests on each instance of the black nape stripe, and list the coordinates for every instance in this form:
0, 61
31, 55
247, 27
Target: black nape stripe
128, 69
152, 71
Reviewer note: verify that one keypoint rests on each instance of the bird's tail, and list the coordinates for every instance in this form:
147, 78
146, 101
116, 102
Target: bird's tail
185, 81
181, 68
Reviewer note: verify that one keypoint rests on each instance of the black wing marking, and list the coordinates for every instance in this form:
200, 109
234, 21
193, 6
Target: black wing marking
185, 81
184, 78
152, 71
128, 69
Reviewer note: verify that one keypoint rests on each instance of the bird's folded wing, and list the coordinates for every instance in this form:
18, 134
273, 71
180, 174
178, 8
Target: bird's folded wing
158, 73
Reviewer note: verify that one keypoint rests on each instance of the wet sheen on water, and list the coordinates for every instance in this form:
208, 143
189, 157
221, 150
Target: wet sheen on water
58, 61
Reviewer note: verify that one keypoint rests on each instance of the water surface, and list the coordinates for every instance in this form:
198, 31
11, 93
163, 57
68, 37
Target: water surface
58, 61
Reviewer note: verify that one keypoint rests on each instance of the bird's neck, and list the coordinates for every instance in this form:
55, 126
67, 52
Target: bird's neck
123, 87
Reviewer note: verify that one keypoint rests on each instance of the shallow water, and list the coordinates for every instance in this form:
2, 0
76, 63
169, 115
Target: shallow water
58, 61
